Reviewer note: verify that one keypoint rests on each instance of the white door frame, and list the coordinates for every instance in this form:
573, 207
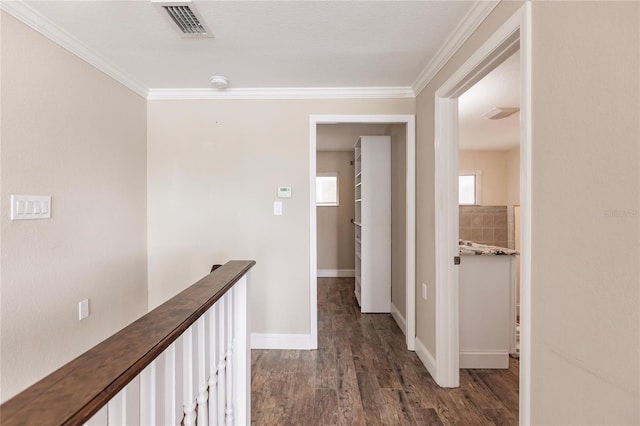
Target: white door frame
409, 121
512, 35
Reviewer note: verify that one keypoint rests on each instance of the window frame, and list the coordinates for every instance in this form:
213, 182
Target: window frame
478, 186
329, 204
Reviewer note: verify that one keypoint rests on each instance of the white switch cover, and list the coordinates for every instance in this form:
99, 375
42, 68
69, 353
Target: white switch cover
83, 309
30, 207
277, 208
424, 291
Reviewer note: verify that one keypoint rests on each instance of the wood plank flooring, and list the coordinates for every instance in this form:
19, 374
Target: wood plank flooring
362, 374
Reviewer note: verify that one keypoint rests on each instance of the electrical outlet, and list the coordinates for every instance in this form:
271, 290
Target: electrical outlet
424, 291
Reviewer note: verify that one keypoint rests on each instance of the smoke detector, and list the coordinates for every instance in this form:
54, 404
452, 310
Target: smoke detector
219, 82
499, 113
184, 16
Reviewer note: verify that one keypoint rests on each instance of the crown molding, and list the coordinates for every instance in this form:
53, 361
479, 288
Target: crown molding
284, 93
469, 23
32, 18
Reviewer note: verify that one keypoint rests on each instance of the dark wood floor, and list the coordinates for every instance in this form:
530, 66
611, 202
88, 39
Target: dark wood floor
362, 374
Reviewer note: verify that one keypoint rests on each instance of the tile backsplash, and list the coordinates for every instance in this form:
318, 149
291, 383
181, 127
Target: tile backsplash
484, 225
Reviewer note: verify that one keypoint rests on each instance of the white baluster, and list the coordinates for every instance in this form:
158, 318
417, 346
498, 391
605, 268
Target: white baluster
242, 354
124, 408
189, 400
179, 372
148, 386
212, 334
221, 361
169, 385
229, 356
202, 373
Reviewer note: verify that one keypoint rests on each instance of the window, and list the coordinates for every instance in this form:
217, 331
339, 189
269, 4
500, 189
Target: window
469, 187
327, 189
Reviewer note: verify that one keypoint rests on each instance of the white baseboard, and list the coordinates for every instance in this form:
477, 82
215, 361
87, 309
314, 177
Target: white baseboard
484, 359
280, 341
402, 323
425, 356
333, 273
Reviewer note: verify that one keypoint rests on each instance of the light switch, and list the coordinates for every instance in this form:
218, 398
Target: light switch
30, 207
277, 208
83, 309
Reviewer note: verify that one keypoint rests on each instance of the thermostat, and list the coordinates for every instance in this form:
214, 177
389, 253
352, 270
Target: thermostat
284, 192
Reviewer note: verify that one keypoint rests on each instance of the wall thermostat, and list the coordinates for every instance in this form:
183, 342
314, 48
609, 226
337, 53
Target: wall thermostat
284, 192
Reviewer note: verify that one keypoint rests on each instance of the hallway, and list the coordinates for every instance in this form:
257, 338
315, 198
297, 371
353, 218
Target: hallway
362, 374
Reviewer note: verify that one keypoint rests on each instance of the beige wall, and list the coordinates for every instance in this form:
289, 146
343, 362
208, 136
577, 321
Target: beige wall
513, 177
227, 158
585, 269
336, 238
73, 133
585, 273
500, 182
493, 165
398, 133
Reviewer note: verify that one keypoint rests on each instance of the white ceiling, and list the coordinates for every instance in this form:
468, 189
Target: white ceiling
262, 44
499, 88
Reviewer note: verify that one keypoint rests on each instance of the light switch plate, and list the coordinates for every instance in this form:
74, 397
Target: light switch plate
83, 309
30, 207
277, 208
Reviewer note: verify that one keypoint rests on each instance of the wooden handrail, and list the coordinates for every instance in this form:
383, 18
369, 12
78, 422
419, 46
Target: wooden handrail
75, 392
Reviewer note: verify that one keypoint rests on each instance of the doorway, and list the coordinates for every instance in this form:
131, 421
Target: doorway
409, 122
514, 35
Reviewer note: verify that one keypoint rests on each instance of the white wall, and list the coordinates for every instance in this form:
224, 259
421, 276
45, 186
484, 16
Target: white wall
212, 175
71, 132
336, 237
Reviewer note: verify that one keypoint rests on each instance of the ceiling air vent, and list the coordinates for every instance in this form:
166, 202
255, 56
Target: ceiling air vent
185, 16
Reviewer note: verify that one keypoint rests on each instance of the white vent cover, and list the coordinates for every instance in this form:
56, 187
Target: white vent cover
184, 15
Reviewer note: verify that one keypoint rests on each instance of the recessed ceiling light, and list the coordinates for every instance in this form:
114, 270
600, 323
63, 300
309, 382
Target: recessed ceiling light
498, 113
219, 82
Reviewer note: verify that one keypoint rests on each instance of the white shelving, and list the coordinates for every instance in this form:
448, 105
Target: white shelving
373, 223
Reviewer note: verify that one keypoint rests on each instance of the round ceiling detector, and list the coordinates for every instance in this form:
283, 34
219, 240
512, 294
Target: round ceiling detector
219, 82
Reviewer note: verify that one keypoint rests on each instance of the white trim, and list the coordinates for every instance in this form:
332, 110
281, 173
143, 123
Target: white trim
281, 341
313, 239
468, 24
402, 323
514, 34
333, 273
409, 120
484, 359
526, 143
426, 357
29, 16
284, 93
446, 239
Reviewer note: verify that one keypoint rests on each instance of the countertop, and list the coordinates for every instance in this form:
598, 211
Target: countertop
471, 248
